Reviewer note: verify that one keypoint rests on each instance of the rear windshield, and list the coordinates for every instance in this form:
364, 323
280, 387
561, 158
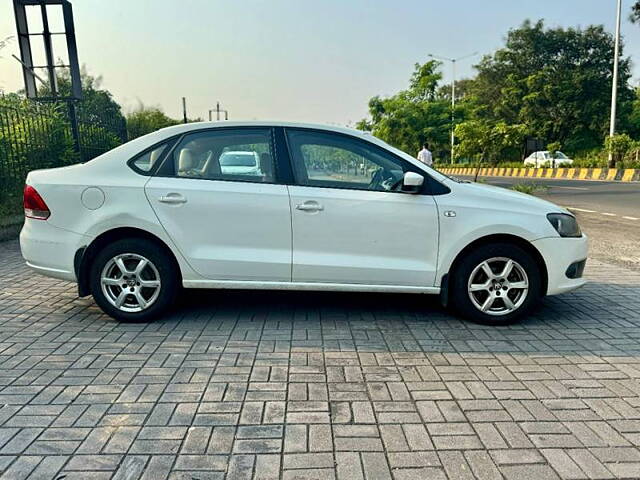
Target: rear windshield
238, 160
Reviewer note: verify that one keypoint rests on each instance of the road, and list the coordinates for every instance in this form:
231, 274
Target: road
609, 212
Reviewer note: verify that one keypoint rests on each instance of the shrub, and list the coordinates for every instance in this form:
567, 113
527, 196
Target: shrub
529, 188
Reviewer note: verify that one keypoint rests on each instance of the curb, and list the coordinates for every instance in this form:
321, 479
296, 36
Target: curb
608, 174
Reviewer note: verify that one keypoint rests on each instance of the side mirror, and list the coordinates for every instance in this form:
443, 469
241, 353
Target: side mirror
412, 182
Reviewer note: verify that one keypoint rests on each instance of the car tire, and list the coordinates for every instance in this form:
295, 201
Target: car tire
495, 296
144, 290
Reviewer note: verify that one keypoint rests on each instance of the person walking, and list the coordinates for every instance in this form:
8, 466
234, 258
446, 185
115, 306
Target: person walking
425, 156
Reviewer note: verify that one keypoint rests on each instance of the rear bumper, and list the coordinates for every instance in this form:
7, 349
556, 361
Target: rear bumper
50, 250
559, 254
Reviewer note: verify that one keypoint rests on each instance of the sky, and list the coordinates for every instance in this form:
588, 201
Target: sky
296, 60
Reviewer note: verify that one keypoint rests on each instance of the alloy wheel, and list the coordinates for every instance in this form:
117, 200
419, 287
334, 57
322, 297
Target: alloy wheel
498, 286
130, 282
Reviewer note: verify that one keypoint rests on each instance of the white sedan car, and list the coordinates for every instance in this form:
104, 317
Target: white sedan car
160, 212
245, 163
547, 159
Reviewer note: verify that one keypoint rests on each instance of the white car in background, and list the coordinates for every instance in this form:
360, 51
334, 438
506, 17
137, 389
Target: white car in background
546, 159
162, 211
240, 163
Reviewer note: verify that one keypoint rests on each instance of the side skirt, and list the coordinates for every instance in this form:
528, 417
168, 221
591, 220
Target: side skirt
337, 287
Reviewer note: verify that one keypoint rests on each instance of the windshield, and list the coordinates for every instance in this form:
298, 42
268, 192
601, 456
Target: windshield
560, 155
238, 160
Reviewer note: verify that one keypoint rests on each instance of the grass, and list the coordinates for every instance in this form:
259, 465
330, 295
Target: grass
529, 188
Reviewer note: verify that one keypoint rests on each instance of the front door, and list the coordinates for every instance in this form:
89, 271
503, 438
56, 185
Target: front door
216, 196
352, 224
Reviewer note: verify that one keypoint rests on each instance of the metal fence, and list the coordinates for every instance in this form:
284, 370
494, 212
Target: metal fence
40, 135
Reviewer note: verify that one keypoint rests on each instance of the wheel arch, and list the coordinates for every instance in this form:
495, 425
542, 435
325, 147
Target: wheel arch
487, 240
85, 255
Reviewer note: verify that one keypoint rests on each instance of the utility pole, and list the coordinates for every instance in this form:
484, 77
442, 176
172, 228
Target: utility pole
184, 109
614, 87
218, 110
453, 96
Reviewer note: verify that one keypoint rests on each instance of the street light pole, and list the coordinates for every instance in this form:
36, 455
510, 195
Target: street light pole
614, 87
453, 96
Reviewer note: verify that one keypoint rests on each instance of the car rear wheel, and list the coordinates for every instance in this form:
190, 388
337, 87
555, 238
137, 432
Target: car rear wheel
133, 280
496, 284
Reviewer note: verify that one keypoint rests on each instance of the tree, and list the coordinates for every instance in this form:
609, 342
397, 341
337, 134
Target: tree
489, 142
415, 115
556, 82
97, 106
145, 120
634, 118
635, 12
618, 146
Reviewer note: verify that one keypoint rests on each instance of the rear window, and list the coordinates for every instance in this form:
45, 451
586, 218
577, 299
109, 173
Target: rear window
144, 163
238, 160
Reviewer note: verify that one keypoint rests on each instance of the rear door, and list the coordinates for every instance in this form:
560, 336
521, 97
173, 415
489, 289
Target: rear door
229, 223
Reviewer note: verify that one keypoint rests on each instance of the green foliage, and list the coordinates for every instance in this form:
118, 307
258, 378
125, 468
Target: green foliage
556, 82
145, 120
97, 106
634, 117
554, 148
635, 12
486, 142
618, 146
413, 116
549, 83
32, 136
529, 188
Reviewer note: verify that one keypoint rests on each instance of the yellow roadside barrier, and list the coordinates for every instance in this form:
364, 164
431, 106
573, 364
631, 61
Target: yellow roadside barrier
628, 175
603, 174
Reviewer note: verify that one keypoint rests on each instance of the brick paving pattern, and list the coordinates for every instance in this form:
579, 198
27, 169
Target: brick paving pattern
276, 385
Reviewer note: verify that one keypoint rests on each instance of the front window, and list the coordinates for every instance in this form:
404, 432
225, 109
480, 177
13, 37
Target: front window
226, 154
331, 160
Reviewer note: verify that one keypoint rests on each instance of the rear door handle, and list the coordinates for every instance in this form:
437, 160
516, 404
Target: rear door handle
310, 207
172, 199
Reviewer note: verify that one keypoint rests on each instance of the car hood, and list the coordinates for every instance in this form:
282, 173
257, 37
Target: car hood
509, 198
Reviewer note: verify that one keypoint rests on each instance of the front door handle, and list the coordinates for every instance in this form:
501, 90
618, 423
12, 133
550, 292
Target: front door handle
172, 199
310, 207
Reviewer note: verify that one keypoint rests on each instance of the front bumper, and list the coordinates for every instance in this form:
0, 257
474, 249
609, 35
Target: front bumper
559, 254
50, 250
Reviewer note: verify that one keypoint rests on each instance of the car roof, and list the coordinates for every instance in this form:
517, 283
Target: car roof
190, 127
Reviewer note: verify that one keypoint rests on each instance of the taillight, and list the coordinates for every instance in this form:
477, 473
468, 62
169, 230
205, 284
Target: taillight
34, 206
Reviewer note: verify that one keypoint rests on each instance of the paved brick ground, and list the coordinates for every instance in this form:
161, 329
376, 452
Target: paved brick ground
301, 386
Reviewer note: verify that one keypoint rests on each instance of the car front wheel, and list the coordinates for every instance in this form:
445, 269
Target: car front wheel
133, 280
496, 284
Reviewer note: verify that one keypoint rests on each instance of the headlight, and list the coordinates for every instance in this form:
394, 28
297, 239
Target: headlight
565, 225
